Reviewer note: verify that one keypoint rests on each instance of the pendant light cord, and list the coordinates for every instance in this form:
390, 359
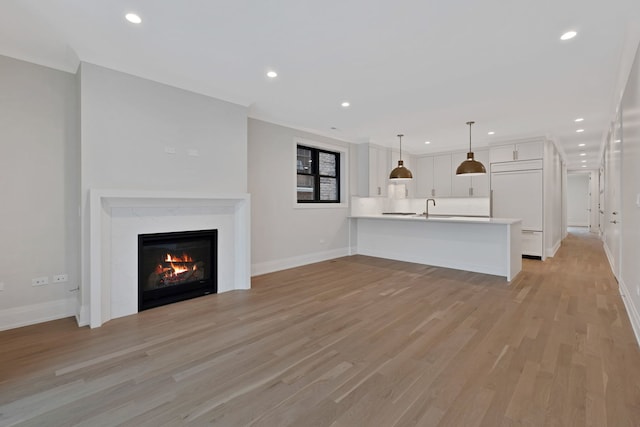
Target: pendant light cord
470, 123
400, 136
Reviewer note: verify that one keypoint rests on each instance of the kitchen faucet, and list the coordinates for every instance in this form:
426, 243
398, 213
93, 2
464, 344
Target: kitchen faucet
426, 212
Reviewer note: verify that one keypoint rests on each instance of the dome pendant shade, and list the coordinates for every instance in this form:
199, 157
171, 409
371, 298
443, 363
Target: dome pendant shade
400, 173
471, 166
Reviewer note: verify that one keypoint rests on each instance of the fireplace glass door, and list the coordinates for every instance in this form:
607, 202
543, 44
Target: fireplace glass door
176, 266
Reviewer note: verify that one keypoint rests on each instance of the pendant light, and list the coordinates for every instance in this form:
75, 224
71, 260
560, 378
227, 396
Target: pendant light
400, 173
470, 167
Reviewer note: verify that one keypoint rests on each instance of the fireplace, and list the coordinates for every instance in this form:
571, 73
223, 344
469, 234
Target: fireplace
176, 266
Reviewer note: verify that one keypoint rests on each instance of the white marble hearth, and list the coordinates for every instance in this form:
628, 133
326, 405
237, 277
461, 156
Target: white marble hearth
118, 216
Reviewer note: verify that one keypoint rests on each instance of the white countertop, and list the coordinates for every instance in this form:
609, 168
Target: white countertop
442, 218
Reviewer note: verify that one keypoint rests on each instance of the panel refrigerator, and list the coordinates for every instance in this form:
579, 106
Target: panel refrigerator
519, 194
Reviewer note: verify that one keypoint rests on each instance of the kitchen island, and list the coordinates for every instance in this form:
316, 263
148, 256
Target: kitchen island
478, 244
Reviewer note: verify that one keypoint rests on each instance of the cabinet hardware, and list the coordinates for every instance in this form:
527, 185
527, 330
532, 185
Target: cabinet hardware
433, 192
379, 191
613, 222
614, 213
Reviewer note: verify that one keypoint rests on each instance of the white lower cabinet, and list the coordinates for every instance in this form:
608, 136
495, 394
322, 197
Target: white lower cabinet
532, 243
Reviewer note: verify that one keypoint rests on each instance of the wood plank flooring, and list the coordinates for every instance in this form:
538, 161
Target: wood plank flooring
356, 341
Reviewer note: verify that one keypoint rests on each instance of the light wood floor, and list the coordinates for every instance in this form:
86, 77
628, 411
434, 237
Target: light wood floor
356, 341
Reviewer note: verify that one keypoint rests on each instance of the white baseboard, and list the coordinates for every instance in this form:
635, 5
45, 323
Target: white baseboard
632, 310
82, 316
609, 258
551, 252
297, 261
37, 313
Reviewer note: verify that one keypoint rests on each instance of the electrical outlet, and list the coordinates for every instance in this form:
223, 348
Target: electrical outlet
40, 281
60, 278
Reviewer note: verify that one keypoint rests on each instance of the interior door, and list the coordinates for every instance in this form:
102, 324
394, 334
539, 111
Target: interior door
612, 198
578, 200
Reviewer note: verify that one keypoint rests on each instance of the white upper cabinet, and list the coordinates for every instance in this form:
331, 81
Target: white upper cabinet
520, 151
480, 183
378, 171
442, 174
373, 170
530, 150
423, 176
465, 186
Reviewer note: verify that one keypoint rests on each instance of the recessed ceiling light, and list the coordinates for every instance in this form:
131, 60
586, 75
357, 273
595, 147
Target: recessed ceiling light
133, 18
491, 133
582, 145
583, 161
580, 130
272, 74
579, 119
583, 154
345, 104
427, 142
568, 35
584, 166
617, 140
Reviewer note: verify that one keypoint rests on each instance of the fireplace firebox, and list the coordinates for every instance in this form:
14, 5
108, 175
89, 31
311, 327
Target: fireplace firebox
176, 266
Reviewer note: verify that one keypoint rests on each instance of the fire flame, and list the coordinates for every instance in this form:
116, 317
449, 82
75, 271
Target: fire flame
177, 263
172, 258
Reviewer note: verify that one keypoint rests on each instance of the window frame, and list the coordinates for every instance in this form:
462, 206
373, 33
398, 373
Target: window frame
341, 172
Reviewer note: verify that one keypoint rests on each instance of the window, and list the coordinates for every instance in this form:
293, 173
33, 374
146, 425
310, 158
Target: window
318, 175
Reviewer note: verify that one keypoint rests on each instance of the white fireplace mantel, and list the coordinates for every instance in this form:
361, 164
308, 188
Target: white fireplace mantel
117, 216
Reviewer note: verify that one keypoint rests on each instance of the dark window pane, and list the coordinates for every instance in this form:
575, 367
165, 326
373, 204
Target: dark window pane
327, 164
318, 175
328, 189
304, 160
306, 187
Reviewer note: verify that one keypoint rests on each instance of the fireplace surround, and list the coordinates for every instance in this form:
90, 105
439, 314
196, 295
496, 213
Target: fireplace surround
116, 218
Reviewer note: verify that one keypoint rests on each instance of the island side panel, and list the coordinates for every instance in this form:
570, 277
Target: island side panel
515, 252
478, 247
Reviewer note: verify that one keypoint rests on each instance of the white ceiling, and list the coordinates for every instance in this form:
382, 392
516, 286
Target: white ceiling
422, 68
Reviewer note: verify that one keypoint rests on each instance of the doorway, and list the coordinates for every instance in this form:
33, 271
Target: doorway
578, 200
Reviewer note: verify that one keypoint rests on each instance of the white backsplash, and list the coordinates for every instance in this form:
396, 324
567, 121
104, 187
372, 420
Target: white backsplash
471, 206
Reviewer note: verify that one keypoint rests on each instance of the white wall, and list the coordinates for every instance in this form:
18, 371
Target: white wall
630, 197
553, 196
578, 200
128, 123
39, 172
594, 201
283, 236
